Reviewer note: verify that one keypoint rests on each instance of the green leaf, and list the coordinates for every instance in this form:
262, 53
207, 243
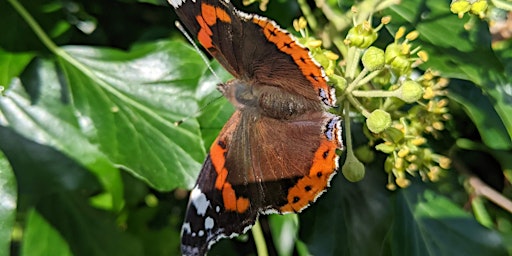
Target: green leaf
8, 195
215, 109
41, 239
11, 65
88, 231
41, 170
430, 224
480, 109
45, 116
284, 229
128, 103
58, 187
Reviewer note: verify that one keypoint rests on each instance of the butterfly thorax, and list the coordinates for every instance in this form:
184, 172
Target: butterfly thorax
268, 100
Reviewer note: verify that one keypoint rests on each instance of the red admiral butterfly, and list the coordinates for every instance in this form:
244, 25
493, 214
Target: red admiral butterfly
277, 153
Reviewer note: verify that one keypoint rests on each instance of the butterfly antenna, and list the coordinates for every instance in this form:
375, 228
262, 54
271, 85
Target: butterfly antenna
206, 61
191, 41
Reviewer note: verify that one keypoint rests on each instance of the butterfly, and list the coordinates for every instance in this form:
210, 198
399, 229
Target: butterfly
279, 150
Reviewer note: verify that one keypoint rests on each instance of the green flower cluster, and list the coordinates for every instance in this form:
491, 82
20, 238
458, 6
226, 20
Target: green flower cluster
400, 105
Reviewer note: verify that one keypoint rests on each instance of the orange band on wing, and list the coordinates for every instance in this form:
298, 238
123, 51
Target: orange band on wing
231, 201
208, 18
300, 55
205, 33
308, 188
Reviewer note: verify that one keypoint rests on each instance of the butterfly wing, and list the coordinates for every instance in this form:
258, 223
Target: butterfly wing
284, 165
215, 210
259, 165
277, 152
254, 48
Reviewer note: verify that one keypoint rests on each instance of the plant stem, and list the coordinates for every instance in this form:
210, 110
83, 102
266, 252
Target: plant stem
354, 55
354, 84
35, 26
348, 132
357, 105
376, 93
259, 239
367, 78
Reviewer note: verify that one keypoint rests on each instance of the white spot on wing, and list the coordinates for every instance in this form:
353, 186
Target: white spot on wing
199, 200
208, 223
178, 3
186, 228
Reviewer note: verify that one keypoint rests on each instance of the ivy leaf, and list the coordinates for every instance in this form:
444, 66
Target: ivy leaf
43, 116
8, 205
430, 224
128, 103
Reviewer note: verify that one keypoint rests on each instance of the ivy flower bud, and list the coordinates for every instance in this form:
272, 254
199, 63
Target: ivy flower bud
361, 36
411, 91
397, 59
385, 147
378, 121
353, 169
479, 7
383, 78
299, 24
460, 7
373, 58
314, 43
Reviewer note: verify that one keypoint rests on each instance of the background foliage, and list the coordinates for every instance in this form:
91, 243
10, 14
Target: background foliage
91, 162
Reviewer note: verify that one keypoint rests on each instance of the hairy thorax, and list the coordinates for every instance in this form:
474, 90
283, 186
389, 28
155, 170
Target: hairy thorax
268, 100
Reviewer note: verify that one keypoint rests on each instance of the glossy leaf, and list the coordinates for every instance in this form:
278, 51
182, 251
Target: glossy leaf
480, 109
40, 238
128, 102
11, 65
429, 224
58, 188
8, 204
284, 230
46, 117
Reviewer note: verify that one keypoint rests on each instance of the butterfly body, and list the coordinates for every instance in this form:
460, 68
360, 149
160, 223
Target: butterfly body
278, 151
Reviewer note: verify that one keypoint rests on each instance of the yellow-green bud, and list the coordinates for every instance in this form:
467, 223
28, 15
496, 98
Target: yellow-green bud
339, 82
385, 148
352, 169
479, 7
383, 78
411, 91
361, 36
460, 7
389, 163
393, 134
378, 121
373, 58
299, 24
397, 59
